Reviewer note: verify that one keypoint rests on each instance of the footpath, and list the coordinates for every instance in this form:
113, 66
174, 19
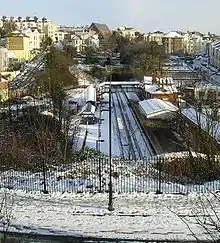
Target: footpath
143, 217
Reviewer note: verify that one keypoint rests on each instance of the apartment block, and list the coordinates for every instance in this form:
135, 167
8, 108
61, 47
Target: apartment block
43, 25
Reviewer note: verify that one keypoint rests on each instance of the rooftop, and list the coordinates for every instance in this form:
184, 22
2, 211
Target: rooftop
173, 34
203, 121
156, 108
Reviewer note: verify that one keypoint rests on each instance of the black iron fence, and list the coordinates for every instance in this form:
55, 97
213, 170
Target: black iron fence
160, 175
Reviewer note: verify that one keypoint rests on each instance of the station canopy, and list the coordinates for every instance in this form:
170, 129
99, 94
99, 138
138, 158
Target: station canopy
158, 109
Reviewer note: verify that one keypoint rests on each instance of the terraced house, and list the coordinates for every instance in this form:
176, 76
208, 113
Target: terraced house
214, 53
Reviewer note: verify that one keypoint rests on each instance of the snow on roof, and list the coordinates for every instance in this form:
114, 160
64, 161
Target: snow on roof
148, 80
156, 108
90, 94
162, 89
88, 109
165, 80
123, 83
203, 121
173, 34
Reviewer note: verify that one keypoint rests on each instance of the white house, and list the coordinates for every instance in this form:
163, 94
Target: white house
127, 32
155, 36
35, 37
60, 35
92, 40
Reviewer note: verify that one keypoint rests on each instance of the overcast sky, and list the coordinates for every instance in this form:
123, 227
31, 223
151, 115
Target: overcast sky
144, 15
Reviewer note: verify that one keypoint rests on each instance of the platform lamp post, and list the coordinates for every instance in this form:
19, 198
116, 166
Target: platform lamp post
110, 198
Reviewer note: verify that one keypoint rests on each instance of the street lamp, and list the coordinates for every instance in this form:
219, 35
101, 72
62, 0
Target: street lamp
110, 198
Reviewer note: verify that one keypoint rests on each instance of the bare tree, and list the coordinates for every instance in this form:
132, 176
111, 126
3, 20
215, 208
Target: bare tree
6, 212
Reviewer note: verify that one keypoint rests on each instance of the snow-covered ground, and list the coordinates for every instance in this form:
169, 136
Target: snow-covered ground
76, 95
136, 216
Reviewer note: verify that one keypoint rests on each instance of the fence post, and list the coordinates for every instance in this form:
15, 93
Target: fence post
159, 166
100, 175
44, 178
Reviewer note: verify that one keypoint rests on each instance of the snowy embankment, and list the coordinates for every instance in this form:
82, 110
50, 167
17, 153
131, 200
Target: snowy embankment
136, 216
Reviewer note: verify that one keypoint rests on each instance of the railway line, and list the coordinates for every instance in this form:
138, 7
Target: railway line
27, 81
125, 138
133, 142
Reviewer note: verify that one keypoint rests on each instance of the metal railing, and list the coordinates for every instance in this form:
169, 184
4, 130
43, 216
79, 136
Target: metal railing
159, 175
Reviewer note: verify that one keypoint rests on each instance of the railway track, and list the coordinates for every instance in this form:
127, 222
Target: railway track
126, 139
118, 126
138, 146
146, 138
128, 118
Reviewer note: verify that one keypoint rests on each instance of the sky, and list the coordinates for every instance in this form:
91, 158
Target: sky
143, 15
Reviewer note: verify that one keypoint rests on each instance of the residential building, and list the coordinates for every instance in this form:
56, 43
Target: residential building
127, 32
195, 42
28, 22
173, 42
77, 42
60, 35
84, 40
4, 59
155, 36
163, 89
207, 93
100, 29
50, 31
214, 54
35, 38
93, 41
74, 29
18, 43
42, 24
